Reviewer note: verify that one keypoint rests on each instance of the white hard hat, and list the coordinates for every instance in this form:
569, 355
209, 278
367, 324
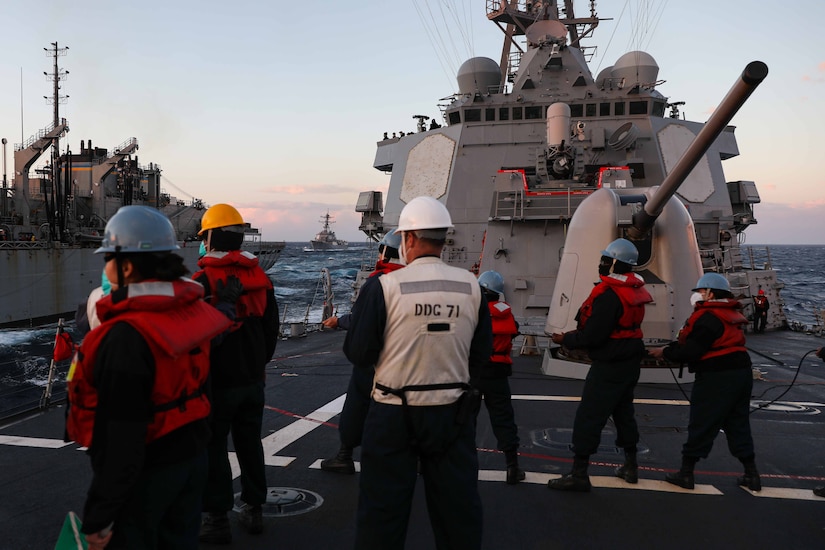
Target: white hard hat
424, 213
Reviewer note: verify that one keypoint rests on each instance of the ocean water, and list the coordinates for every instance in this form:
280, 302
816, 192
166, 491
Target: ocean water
297, 276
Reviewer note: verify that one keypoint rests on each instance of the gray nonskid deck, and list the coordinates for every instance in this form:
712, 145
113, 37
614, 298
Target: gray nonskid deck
42, 478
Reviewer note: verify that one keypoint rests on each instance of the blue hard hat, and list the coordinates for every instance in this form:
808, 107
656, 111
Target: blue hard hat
713, 281
622, 250
392, 239
492, 280
138, 228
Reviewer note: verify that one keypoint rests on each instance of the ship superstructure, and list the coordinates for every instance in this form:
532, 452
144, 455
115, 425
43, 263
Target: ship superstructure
526, 141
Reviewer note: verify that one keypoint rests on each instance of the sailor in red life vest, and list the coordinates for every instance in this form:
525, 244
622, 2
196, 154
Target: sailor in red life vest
491, 378
237, 372
136, 391
712, 343
357, 402
760, 311
609, 328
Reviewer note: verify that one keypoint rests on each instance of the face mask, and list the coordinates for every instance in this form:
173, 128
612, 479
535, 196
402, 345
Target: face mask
202, 250
104, 283
402, 252
694, 298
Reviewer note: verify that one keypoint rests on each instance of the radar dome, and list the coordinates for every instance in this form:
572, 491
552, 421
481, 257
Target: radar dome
636, 68
478, 74
604, 74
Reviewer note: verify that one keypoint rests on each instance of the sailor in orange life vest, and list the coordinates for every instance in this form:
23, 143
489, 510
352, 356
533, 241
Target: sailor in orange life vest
609, 328
136, 391
423, 327
712, 343
357, 402
491, 378
238, 366
760, 311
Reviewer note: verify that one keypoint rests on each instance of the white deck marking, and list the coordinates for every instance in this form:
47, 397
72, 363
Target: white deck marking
317, 465
576, 399
43, 443
287, 435
786, 494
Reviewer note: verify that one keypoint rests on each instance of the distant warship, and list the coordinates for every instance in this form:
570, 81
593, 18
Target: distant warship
525, 143
325, 239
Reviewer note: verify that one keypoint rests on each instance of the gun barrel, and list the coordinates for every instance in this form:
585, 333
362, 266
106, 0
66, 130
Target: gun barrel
751, 77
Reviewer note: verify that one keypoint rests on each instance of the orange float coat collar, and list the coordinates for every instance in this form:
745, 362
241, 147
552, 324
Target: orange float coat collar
157, 310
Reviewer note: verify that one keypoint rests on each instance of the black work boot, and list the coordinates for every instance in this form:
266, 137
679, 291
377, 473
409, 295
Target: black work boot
751, 478
251, 517
341, 463
215, 529
576, 480
684, 477
819, 491
514, 473
629, 471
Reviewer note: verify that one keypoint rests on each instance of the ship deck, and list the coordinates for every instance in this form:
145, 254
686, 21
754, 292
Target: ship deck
42, 478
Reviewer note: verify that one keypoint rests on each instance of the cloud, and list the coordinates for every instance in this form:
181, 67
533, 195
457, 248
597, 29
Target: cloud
314, 189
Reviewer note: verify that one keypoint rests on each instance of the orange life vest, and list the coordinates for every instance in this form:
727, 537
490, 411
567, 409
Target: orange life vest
504, 330
633, 296
727, 311
159, 311
760, 301
218, 266
382, 267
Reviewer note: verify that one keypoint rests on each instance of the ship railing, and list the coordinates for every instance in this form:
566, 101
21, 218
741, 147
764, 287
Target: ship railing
42, 133
537, 205
129, 146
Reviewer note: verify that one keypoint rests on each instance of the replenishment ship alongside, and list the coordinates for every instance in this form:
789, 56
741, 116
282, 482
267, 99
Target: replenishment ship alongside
52, 217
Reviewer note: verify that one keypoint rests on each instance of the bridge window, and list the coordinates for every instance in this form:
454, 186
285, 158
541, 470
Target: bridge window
454, 117
472, 115
658, 108
532, 112
604, 109
590, 109
516, 113
489, 114
504, 113
638, 107
576, 110
618, 108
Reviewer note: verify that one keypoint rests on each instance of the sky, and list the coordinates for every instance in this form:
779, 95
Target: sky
276, 107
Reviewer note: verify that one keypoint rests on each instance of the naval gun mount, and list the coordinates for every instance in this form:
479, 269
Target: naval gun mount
662, 230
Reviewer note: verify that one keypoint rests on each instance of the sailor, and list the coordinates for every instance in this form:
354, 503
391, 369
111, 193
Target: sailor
491, 379
354, 413
136, 391
423, 327
712, 343
760, 311
609, 328
238, 371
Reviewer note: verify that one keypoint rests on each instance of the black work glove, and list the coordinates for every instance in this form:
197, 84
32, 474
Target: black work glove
230, 291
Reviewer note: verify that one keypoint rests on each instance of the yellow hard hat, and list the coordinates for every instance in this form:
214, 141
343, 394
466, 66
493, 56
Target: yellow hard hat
220, 215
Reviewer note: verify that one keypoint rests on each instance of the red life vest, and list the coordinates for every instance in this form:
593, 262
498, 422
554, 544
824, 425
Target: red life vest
218, 266
504, 330
760, 301
159, 311
631, 292
382, 267
727, 311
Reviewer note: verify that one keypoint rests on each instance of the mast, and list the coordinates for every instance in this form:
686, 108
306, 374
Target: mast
58, 198
513, 17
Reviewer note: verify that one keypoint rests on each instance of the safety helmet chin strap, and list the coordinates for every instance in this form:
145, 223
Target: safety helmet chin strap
119, 267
